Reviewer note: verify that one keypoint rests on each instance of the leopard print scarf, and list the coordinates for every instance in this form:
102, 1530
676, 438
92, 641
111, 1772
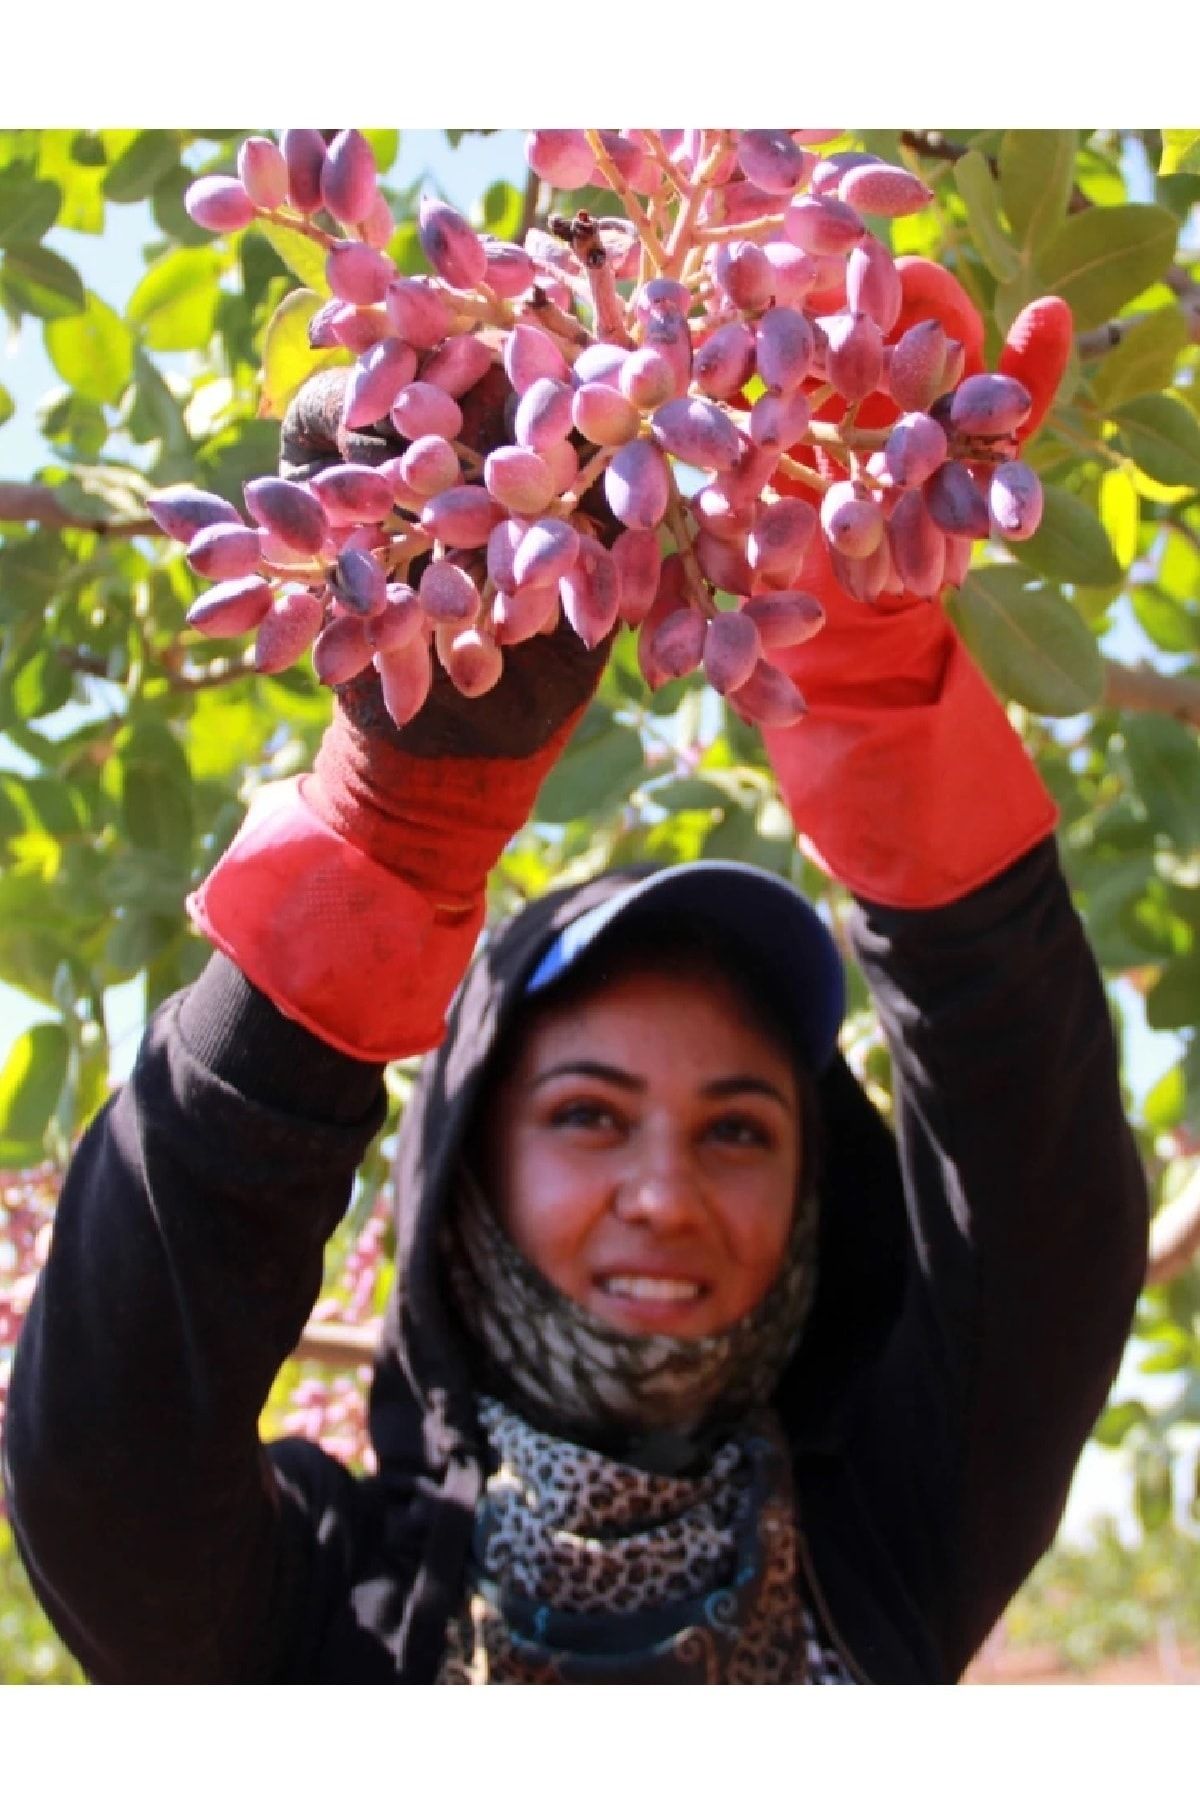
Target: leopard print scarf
587, 1570
639, 1523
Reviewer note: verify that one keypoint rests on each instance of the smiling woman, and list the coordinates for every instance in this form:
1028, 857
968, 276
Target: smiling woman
691, 1372
644, 1146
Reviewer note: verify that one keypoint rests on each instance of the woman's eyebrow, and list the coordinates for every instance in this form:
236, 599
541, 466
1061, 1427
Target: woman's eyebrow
728, 1085
595, 1070
724, 1087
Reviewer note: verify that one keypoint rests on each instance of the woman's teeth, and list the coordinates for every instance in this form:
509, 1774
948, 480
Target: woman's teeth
650, 1287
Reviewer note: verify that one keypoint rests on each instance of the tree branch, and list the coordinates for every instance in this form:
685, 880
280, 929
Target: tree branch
33, 503
339, 1346
937, 145
530, 208
1175, 1235
1105, 337
1143, 689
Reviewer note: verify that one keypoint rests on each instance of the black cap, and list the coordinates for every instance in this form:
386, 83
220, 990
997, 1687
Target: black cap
749, 905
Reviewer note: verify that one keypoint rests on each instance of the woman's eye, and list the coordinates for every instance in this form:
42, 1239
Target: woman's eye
740, 1131
583, 1115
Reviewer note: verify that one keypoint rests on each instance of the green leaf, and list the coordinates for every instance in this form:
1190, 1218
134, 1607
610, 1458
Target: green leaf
137, 938
1144, 360
175, 302
1174, 1001
169, 212
1070, 544
1037, 173
92, 351
36, 280
237, 455
66, 419
1179, 568
28, 207
82, 207
1032, 646
1164, 1105
154, 786
1102, 258
287, 357
1167, 624
297, 253
502, 209
7, 406
30, 1083
974, 181
691, 793
41, 685
87, 148
592, 775
1116, 1421
139, 168
1164, 764
386, 145
1180, 153
1163, 438
156, 414
1120, 513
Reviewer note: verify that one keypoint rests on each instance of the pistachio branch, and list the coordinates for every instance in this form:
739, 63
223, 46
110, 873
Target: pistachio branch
628, 199
697, 586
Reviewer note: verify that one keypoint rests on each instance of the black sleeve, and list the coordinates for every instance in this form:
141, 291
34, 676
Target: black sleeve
186, 1256
1027, 1207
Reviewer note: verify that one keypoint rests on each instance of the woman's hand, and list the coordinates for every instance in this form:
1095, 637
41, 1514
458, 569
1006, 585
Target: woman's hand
353, 897
905, 780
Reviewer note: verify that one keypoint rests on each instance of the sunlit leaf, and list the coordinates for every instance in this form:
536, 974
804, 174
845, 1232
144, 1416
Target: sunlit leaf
175, 302
92, 351
1120, 514
298, 253
386, 145
30, 1083
1167, 623
1180, 153
287, 357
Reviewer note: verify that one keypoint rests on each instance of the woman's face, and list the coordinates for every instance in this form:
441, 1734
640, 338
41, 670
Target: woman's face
643, 1152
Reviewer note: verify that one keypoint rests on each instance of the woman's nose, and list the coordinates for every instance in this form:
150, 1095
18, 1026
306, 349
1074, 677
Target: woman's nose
661, 1189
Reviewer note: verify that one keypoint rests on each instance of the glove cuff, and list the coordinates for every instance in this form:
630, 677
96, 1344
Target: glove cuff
440, 822
912, 806
341, 945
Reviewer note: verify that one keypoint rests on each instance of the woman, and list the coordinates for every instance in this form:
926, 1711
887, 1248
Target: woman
691, 1372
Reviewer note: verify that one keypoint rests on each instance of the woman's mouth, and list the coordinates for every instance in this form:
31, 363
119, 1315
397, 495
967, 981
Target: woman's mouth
656, 1289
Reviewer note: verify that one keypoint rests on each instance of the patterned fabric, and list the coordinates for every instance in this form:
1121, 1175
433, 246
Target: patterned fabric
653, 1399
588, 1570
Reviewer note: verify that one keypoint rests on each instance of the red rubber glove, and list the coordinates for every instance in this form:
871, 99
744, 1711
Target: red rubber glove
906, 781
353, 897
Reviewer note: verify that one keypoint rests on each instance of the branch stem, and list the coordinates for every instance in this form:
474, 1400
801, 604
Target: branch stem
628, 199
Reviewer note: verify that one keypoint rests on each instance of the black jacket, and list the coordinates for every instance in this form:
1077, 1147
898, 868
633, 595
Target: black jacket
975, 1291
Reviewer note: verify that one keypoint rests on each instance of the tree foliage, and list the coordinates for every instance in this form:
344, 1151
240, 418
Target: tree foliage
135, 744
